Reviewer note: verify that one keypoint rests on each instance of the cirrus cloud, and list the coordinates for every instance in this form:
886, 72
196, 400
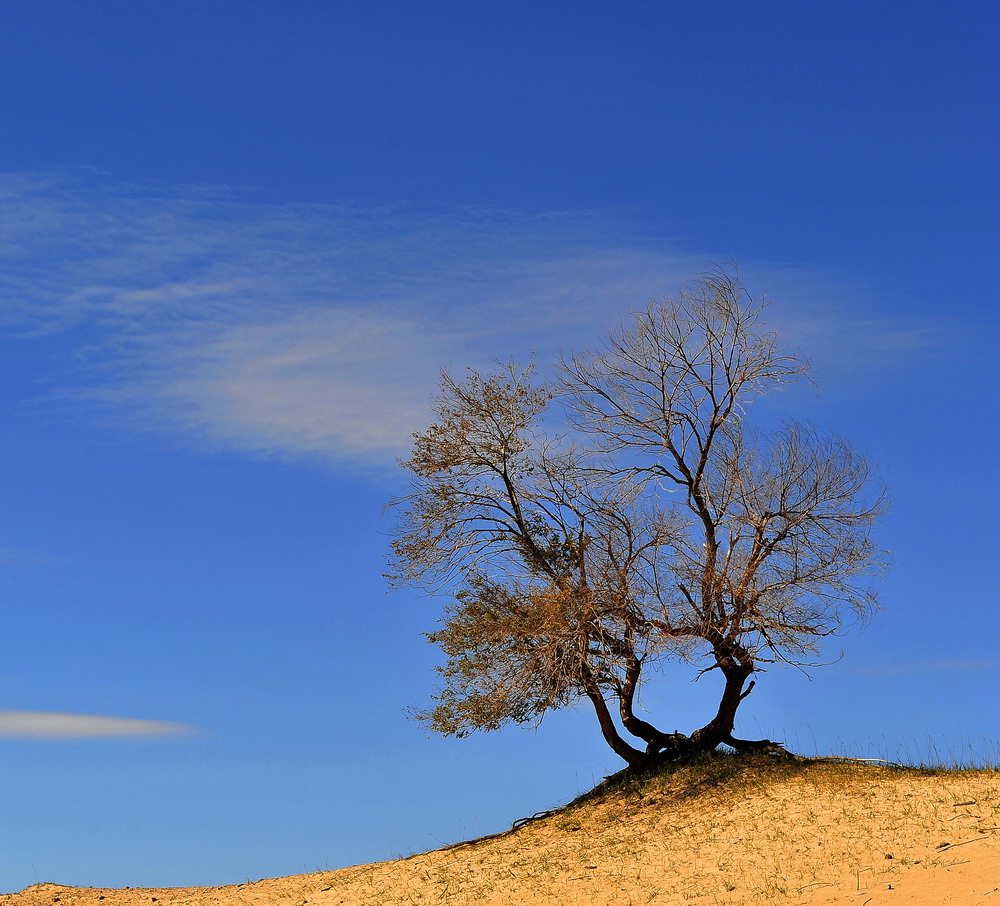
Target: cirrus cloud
318, 330
53, 725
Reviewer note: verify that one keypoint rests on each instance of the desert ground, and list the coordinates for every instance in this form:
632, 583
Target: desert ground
725, 833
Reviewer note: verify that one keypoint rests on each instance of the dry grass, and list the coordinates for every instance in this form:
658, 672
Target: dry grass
727, 832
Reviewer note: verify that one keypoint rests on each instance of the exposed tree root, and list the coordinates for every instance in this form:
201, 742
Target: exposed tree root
761, 747
676, 749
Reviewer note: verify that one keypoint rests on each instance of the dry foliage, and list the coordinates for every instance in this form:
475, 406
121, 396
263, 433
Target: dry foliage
664, 526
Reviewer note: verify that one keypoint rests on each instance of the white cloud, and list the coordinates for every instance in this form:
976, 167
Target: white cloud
52, 725
320, 329
322, 382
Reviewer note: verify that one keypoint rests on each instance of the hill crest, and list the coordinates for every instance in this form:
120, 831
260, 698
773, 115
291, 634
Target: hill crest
726, 832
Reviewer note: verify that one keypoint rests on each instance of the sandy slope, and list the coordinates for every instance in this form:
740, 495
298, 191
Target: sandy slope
816, 834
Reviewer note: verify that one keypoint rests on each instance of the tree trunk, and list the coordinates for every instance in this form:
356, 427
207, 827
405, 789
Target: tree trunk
656, 740
672, 747
634, 757
719, 730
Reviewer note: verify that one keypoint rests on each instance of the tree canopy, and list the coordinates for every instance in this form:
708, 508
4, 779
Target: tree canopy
650, 521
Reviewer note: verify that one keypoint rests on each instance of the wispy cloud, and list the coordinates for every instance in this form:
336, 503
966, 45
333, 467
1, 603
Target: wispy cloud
908, 667
12, 555
319, 329
52, 725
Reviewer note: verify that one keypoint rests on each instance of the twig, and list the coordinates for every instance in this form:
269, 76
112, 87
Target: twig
517, 825
973, 840
849, 760
538, 816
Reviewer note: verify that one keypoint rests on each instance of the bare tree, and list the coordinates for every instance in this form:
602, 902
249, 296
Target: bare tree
667, 529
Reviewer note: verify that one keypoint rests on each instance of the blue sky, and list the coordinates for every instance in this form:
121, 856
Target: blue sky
237, 242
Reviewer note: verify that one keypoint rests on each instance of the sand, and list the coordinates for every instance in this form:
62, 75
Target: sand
813, 835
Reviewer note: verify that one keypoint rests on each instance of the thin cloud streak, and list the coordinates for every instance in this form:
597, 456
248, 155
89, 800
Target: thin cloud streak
319, 330
910, 667
10, 555
53, 725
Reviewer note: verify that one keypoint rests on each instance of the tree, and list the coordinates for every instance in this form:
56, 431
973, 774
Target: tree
660, 526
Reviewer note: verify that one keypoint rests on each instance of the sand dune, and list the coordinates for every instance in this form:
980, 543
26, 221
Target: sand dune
721, 834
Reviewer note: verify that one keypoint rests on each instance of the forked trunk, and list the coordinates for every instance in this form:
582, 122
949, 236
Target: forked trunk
720, 728
672, 747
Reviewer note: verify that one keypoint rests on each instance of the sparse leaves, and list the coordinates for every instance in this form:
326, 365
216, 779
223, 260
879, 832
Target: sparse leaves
673, 531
